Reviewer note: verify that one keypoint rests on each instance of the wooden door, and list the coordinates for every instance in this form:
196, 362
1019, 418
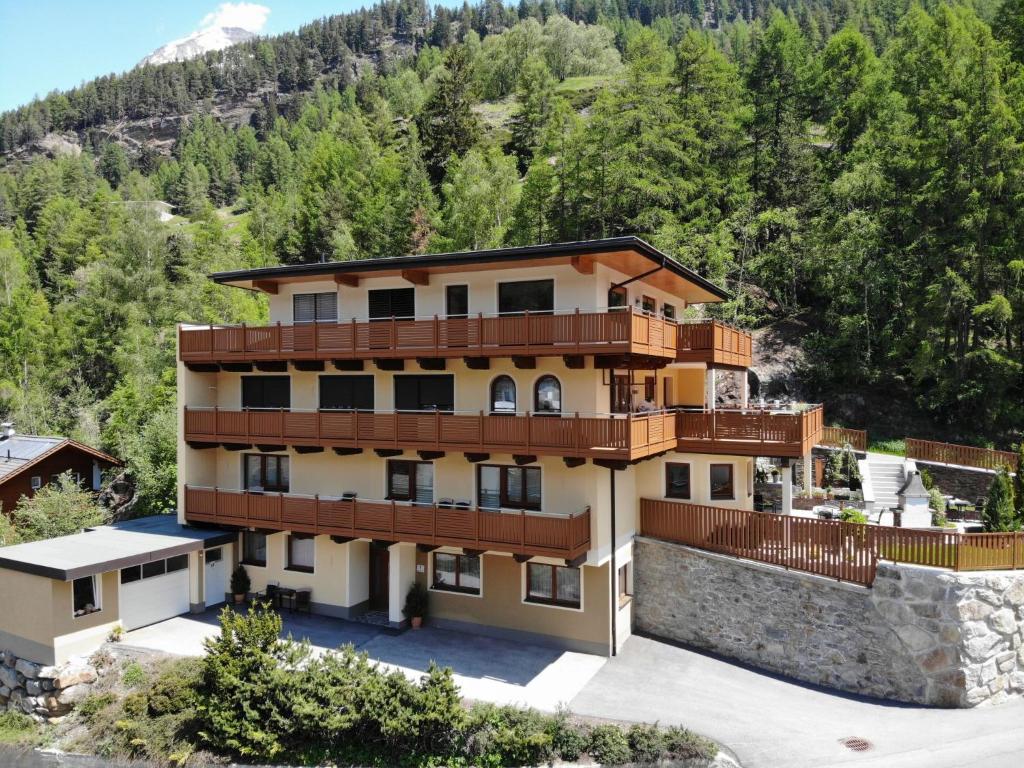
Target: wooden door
379, 587
621, 394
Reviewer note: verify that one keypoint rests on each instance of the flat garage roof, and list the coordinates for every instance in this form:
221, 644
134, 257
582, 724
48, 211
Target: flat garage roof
108, 547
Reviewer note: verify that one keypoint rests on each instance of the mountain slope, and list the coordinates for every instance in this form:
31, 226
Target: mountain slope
199, 42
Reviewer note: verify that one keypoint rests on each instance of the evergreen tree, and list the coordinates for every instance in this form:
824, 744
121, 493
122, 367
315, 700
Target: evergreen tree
999, 515
447, 125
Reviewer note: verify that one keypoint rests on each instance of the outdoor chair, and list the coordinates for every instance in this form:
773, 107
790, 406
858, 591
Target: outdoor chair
301, 600
271, 595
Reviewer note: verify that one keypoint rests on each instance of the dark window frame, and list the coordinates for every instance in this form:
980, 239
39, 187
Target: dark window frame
361, 377
246, 380
622, 302
290, 564
649, 304
515, 395
318, 300
555, 569
265, 459
668, 311
536, 395
448, 301
457, 587
732, 483
625, 588
96, 586
411, 465
376, 316
518, 312
419, 378
669, 465
209, 554
133, 573
504, 500
246, 559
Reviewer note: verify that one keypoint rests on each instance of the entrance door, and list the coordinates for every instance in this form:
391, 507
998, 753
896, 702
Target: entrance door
215, 585
379, 586
621, 394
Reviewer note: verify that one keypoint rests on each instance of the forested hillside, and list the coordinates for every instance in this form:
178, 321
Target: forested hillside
851, 169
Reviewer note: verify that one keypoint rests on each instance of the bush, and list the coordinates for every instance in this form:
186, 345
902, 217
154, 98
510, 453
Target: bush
504, 735
16, 728
608, 745
852, 515
133, 675
568, 740
174, 690
999, 514
240, 583
416, 600
681, 744
646, 743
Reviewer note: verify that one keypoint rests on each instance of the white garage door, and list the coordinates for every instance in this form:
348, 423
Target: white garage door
154, 591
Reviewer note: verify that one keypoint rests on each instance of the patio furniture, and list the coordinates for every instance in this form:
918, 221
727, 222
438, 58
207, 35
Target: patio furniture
270, 594
285, 595
301, 600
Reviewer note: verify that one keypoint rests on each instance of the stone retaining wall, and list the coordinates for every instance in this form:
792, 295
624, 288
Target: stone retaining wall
40, 691
920, 635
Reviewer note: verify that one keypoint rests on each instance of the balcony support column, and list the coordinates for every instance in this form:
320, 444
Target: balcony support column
744, 388
710, 388
808, 476
787, 487
401, 575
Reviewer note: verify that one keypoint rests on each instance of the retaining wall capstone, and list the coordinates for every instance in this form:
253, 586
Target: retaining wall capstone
42, 692
919, 635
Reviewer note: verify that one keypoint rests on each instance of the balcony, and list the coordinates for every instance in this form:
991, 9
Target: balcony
519, 533
713, 343
609, 436
751, 432
622, 332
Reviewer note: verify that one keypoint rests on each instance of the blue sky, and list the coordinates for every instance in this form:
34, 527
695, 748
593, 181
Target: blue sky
58, 44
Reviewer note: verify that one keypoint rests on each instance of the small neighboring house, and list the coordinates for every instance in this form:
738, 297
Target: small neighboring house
28, 462
61, 597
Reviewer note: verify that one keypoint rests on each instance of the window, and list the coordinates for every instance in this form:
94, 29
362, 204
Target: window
266, 392
721, 481
618, 297
457, 573
456, 301
311, 307
85, 596
385, 303
177, 563
553, 585
625, 588
411, 481
677, 481
254, 548
503, 395
425, 392
37, 482
649, 305
153, 568
214, 555
511, 487
650, 388
130, 574
300, 553
668, 311
266, 473
346, 393
547, 395
526, 296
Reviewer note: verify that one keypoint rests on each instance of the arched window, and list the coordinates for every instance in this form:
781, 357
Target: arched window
503, 395
547, 395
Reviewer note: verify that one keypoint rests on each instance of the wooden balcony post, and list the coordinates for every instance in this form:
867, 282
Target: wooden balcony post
216, 503
280, 423
479, 330
480, 430
354, 344
577, 333
316, 513
245, 338
437, 336
393, 515
577, 429
211, 340
394, 333
277, 337
437, 429
529, 429
527, 332
316, 338
394, 428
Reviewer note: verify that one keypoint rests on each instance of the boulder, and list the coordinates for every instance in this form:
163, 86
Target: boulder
8, 677
73, 694
28, 668
73, 675
33, 687
50, 672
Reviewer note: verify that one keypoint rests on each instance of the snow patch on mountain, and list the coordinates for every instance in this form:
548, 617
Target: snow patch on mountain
198, 43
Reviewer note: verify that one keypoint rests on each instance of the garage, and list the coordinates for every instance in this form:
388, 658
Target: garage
154, 591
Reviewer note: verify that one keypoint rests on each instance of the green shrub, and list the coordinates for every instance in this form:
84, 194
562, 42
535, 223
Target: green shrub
568, 740
852, 515
646, 743
135, 705
999, 514
926, 479
896, 447
174, 689
681, 744
504, 735
608, 745
92, 705
133, 675
16, 728
240, 583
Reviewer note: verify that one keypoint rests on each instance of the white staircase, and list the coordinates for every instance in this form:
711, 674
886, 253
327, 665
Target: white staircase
886, 479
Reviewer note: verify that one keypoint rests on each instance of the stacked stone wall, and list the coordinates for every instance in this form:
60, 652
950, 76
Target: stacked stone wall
43, 692
920, 635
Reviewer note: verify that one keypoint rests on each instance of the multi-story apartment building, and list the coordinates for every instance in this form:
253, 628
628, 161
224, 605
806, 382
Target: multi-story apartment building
486, 423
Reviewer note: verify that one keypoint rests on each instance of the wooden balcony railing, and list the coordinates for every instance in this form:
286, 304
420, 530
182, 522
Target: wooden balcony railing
750, 432
520, 533
561, 333
627, 437
961, 455
838, 550
714, 342
840, 437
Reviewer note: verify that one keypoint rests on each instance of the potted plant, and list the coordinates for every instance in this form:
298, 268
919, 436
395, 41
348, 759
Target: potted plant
415, 604
240, 583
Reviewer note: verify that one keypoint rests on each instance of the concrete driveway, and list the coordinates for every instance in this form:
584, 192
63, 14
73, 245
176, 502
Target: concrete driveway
772, 722
485, 669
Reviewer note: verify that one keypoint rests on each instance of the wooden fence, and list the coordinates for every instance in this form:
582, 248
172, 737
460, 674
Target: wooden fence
839, 437
830, 548
962, 455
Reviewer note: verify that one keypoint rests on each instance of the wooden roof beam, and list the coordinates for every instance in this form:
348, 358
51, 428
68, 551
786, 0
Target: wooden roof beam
583, 264
352, 281
416, 276
267, 286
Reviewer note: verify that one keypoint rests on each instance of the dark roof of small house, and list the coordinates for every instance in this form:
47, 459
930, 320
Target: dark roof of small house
913, 487
19, 452
109, 547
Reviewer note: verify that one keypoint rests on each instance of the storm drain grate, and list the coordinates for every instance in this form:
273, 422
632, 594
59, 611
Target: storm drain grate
856, 744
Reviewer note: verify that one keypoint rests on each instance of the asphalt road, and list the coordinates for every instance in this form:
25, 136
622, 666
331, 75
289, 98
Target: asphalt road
771, 722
